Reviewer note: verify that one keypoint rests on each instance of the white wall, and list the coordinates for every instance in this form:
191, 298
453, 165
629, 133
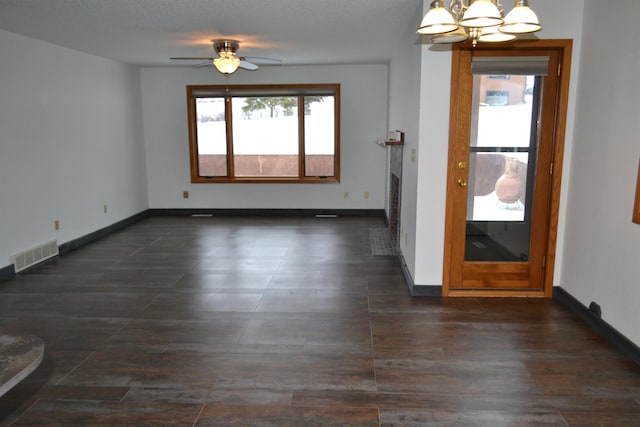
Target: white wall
404, 110
560, 20
363, 119
602, 251
70, 142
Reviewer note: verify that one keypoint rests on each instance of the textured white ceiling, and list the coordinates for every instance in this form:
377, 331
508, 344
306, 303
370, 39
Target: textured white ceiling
149, 32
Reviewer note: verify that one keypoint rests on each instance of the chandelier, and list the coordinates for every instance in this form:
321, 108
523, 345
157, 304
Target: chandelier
478, 21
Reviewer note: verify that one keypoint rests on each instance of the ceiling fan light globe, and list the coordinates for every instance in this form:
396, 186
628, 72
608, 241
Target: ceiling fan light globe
227, 64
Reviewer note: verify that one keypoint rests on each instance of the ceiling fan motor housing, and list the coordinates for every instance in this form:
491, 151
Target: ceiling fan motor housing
227, 46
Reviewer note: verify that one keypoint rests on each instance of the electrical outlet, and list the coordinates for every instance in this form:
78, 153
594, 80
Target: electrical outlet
185, 194
346, 194
413, 154
104, 208
56, 225
366, 194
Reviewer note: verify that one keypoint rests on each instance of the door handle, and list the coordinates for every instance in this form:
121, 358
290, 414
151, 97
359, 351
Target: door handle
462, 182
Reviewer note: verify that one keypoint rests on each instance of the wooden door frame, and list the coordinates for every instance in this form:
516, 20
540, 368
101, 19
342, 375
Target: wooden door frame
564, 46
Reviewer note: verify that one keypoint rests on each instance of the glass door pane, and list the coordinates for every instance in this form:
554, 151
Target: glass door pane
502, 161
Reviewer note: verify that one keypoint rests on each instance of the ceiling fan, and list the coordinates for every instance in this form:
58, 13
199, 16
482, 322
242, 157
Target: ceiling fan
227, 62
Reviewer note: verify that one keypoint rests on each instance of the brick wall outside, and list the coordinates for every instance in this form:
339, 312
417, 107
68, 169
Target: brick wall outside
265, 165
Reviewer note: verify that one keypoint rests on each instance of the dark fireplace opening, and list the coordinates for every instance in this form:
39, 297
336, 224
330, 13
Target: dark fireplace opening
394, 209
395, 188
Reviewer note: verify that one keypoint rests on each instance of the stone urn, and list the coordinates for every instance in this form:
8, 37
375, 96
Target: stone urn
509, 185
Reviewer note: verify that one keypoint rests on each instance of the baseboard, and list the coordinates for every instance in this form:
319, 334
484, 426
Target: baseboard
269, 212
98, 234
426, 291
417, 290
608, 332
7, 273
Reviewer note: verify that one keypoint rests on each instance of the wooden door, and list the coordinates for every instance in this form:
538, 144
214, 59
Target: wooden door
505, 155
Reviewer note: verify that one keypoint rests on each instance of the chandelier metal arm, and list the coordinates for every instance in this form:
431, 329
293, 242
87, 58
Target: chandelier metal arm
458, 7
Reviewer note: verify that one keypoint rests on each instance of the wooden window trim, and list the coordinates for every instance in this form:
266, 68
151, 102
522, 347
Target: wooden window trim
636, 206
300, 90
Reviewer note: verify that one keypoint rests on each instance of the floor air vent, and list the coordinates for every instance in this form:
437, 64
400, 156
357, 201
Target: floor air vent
35, 255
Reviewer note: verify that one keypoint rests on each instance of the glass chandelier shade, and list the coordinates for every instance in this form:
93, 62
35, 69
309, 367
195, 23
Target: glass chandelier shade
521, 20
481, 13
478, 20
438, 20
494, 35
456, 36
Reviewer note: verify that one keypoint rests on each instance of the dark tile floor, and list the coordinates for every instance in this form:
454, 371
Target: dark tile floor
291, 322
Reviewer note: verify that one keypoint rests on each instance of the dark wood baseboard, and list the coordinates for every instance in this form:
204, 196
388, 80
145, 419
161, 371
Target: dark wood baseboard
7, 272
417, 290
592, 318
426, 291
269, 212
98, 234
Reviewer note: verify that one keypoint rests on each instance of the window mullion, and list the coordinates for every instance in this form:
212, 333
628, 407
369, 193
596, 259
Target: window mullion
229, 130
193, 139
301, 150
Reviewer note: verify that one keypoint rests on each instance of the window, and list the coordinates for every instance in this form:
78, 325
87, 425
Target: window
256, 133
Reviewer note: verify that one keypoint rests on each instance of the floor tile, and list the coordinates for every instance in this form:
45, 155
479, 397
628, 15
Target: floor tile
285, 416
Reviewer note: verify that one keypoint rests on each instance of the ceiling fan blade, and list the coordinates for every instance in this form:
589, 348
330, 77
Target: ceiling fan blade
203, 64
262, 61
192, 58
248, 65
